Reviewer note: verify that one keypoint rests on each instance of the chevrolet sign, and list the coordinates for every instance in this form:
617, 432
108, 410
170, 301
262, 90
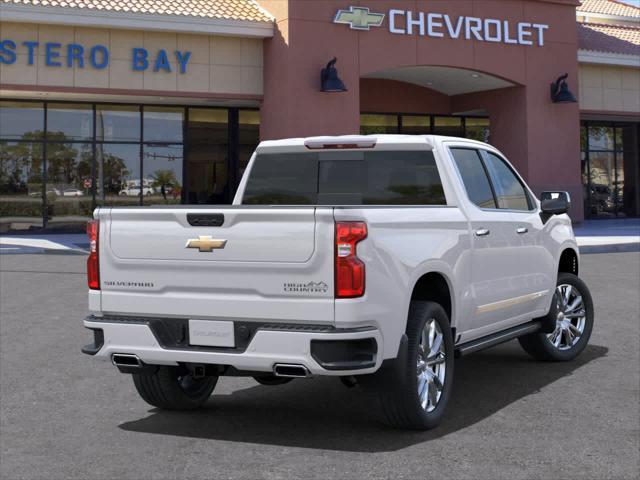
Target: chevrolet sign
440, 25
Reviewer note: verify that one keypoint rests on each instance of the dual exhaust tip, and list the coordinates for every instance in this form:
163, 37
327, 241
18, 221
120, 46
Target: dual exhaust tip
131, 361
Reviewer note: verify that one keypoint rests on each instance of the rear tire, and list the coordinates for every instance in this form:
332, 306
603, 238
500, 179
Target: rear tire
171, 388
574, 323
414, 394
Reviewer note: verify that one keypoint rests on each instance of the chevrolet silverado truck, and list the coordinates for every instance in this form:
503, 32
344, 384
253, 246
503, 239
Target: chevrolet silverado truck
376, 259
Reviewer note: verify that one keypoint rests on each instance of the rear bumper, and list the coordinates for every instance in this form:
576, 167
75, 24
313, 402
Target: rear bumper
322, 350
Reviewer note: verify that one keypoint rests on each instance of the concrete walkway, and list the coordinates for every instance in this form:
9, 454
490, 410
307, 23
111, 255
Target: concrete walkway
594, 236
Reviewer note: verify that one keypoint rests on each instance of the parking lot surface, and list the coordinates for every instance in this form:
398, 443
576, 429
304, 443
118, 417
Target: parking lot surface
65, 415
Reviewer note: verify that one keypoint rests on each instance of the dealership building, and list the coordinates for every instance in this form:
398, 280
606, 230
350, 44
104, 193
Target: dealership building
139, 102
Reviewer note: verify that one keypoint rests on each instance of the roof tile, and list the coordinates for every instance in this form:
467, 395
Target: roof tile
223, 9
609, 38
609, 7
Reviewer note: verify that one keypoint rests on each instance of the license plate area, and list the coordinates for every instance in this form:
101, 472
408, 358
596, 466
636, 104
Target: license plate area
211, 333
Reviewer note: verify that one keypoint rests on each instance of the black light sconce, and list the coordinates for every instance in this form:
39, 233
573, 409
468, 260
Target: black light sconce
329, 80
560, 92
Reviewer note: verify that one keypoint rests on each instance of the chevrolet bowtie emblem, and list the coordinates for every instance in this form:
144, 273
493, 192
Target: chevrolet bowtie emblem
359, 18
205, 243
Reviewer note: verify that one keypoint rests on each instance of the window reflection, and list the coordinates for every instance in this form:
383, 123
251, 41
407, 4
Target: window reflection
66, 122
21, 120
248, 138
416, 124
118, 174
371, 124
118, 123
69, 197
163, 124
449, 126
21, 186
162, 167
207, 156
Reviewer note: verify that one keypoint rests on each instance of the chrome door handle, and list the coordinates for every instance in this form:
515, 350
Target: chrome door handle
483, 232
522, 230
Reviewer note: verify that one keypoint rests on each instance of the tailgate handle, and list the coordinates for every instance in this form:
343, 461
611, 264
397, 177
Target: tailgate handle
205, 219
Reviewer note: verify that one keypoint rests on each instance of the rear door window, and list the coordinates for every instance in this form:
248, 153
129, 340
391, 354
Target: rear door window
345, 178
474, 177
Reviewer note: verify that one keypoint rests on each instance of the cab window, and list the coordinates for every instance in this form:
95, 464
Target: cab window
509, 191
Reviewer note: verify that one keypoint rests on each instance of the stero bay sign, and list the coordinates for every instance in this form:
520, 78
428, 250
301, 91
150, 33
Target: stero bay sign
441, 25
96, 56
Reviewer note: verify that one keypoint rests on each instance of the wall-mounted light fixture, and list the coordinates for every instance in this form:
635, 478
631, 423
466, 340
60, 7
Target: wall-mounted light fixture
329, 80
560, 92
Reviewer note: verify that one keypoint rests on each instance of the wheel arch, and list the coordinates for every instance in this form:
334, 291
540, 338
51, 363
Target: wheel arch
435, 286
569, 261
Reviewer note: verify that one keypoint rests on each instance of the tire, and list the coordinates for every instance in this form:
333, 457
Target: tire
171, 388
400, 398
272, 380
572, 333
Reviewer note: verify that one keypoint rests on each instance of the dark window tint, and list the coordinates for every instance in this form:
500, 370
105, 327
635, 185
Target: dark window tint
283, 179
346, 178
474, 177
509, 191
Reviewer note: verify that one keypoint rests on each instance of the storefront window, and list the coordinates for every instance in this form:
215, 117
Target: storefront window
477, 129
69, 170
69, 122
118, 123
378, 124
21, 185
248, 138
207, 176
610, 169
21, 120
163, 124
449, 126
108, 154
416, 124
118, 174
162, 174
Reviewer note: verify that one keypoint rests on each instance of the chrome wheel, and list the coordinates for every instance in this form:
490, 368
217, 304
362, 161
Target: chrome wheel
571, 318
431, 367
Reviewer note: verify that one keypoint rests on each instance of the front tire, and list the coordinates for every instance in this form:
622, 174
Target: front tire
574, 323
172, 388
415, 395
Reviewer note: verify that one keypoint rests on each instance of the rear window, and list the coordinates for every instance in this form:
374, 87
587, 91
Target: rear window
345, 178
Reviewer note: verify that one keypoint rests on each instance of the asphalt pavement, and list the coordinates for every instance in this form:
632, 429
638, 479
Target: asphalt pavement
64, 415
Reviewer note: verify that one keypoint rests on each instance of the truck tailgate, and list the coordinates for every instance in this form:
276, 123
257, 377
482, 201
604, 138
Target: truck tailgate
259, 264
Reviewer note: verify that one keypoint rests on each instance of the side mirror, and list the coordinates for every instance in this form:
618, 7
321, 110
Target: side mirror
555, 203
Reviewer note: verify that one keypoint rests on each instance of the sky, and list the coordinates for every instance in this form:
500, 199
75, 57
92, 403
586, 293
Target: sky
635, 3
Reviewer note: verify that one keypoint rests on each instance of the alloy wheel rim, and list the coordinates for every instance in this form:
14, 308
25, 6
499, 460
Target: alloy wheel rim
431, 366
571, 318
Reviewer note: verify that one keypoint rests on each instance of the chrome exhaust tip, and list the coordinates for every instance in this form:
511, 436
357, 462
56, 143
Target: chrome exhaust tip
126, 360
290, 371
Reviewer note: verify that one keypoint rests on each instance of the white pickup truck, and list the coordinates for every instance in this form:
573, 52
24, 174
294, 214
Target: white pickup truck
377, 259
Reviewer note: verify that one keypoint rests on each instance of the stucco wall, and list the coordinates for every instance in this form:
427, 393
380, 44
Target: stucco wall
221, 65
608, 88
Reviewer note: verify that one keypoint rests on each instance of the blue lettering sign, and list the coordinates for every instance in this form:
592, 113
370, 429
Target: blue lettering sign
96, 52
140, 62
51, 53
75, 54
183, 58
31, 47
7, 52
96, 56
162, 62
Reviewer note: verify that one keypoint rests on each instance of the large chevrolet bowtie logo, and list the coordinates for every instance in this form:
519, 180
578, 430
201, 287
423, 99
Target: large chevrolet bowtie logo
205, 243
359, 18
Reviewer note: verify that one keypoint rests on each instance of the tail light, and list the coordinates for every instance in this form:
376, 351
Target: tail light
349, 269
93, 262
